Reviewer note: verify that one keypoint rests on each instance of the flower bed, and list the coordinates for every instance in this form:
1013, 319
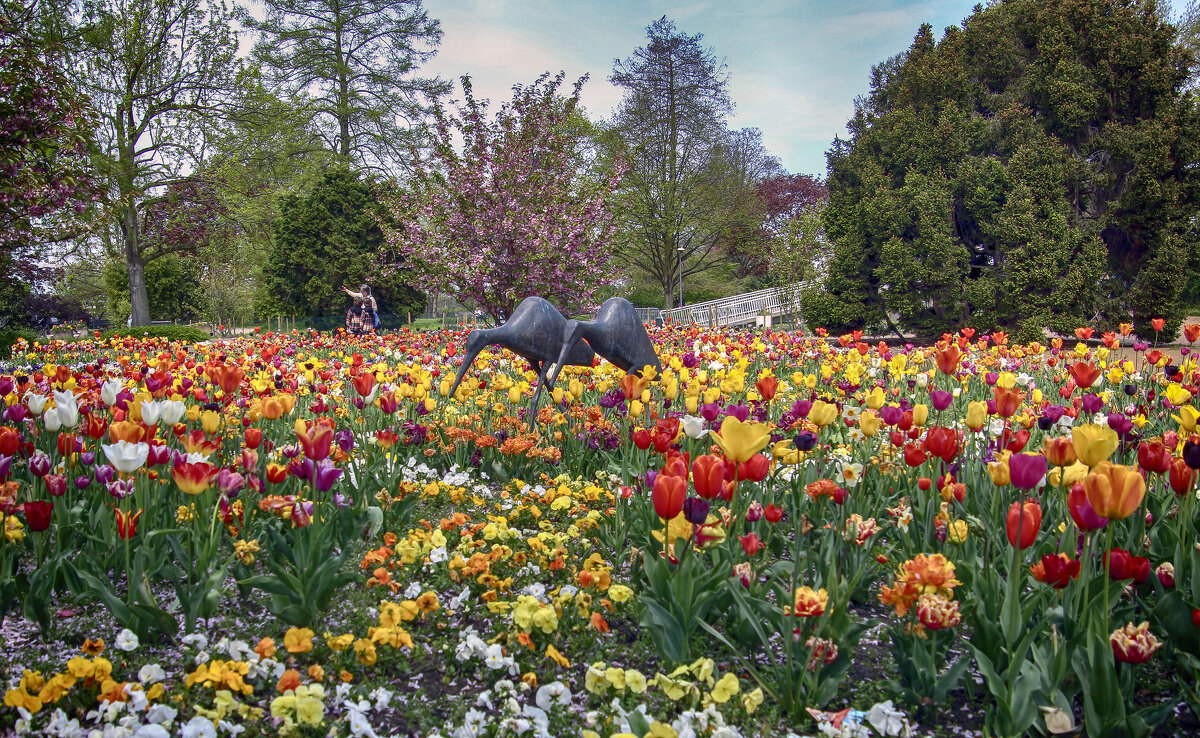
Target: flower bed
304, 533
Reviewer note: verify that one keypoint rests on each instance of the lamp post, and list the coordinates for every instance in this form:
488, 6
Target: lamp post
680, 250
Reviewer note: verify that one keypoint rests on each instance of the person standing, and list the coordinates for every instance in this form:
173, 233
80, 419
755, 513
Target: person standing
370, 307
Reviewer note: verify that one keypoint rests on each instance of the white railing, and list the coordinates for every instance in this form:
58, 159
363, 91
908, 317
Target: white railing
740, 309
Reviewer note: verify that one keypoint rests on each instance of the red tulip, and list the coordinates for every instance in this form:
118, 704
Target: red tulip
1181, 477
37, 515
914, 454
751, 544
641, 439
766, 387
253, 437
1024, 519
1007, 401
126, 524
756, 469
10, 440
1084, 373
1191, 332
669, 494
1158, 324
942, 443
1056, 570
317, 441
773, 513
1124, 565
364, 383
708, 476
1154, 457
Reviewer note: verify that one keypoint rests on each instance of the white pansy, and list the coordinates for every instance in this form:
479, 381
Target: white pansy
554, 693
199, 727
161, 714
413, 590
151, 731
125, 456
151, 673
126, 640
198, 641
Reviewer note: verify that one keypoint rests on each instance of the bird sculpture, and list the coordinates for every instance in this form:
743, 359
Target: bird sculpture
617, 334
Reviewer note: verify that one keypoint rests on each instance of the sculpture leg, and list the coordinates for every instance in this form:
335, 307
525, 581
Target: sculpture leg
572, 334
537, 393
473, 348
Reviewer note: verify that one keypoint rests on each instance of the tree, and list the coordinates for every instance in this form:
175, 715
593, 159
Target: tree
157, 71
786, 204
513, 214
1034, 169
326, 238
349, 62
45, 136
685, 195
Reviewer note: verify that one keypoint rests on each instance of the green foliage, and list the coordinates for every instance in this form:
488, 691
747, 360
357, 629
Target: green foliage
172, 287
1034, 169
327, 238
9, 337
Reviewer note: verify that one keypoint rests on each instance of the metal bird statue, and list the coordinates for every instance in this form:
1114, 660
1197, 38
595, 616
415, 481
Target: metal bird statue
534, 331
616, 334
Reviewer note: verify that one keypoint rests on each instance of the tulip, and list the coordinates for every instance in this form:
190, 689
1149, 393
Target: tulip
807, 604
941, 399
316, 441
56, 484
740, 441
1154, 457
1114, 491
823, 413
1085, 517
109, 391
325, 474
36, 402
868, 422
641, 439
1023, 522
947, 359
193, 477
668, 495
1059, 451
1181, 477
695, 510
693, 426
37, 515
804, 441
1134, 644
126, 524
766, 387
920, 415
773, 513
39, 464
10, 440
1084, 374
151, 411
1027, 470
977, 413
125, 456
1124, 565
1094, 443
1007, 401
755, 470
1191, 454
914, 455
1057, 570
751, 544
1000, 472
942, 443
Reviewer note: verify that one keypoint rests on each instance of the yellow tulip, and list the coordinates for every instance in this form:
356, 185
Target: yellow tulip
430, 404
514, 394
1114, 491
999, 472
823, 413
1187, 417
1177, 395
692, 404
920, 415
868, 422
976, 414
875, 398
1068, 476
741, 441
210, 420
635, 409
1094, 443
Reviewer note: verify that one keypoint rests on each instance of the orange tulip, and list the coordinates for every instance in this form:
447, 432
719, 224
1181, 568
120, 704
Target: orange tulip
947, 359
126, 430
1158, 324
1114, 491
1007, 401
767, 385
633, 385
1084, 373
1191, 332
1059, 451
194, 478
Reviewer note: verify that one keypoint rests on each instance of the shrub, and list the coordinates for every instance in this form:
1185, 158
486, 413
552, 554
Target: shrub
170, 332
9, 336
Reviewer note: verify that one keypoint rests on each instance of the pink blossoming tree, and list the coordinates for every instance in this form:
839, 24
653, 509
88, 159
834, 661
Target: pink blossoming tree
509, 207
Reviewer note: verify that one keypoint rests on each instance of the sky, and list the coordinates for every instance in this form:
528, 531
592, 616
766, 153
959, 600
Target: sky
795, 66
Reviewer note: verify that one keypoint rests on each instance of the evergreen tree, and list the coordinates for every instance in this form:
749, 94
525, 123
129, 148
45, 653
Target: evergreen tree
1035, 168
327, 238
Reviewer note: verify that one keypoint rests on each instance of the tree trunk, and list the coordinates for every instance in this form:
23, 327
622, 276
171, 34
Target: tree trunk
139, 302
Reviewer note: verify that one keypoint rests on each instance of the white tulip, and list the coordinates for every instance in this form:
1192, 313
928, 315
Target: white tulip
36, 402
52, 422
171, 411
67, 409
693, 426
125, 456
151, 411
109, 391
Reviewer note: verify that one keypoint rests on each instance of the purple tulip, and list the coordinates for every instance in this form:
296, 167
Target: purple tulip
104, 473
741, 412
39, 463
710, 411
802, 408
890, 414
6, 386
158, 456
345, 439
651, 475
82, 481
230, 482
56, 485
5, 463
16, 413
1121, 424
325, 475
1054, 413
1092, 404
695, 510
941, 399
120, 488
88, 458
1026, 471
